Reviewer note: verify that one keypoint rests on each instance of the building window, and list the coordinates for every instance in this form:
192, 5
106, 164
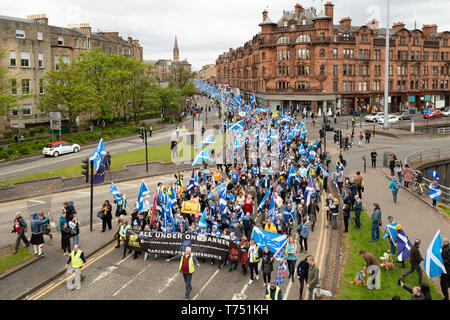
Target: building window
303, 21
364, 38
303, 53
377, 55
322, 36
12, 58
25, 59
60, 41
83, 44
322, 52
402, 40
13, 87
41, 86
335, 53
335, 86
303, 38
15, 111
283, 40
25, 86
27, 110
56, 62
39, 36
40, 60
322, 69
20, 33
77, 43
335, 70
416, 41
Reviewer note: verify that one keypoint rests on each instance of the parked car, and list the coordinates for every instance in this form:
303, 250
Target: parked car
446, 113
374, 117
391, 120
434, 114
405, 116
54, 149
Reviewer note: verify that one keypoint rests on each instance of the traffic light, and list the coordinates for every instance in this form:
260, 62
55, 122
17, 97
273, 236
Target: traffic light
85, 167
142, 134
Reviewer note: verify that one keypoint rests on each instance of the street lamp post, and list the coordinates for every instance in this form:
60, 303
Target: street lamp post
386, 70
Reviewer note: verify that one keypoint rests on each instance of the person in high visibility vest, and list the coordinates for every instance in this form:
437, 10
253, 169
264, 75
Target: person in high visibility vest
273, 292
123, 237
254, 256
187, 262
75, 263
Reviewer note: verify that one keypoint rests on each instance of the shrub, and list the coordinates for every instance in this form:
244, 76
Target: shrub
8, 134
11, 151
3, 155
24, 150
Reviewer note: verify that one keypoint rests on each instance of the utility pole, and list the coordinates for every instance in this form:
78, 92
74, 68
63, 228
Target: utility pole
92, 194
143, 136
386, 70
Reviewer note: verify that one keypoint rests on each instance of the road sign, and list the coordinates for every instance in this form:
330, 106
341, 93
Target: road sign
55, 120
426, 111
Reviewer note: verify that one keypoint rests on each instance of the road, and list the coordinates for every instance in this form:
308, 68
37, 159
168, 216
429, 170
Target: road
28, 166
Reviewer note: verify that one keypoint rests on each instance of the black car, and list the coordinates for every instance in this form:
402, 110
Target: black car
405, 116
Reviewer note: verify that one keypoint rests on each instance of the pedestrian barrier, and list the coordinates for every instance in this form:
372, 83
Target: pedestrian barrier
431, 154
443, 131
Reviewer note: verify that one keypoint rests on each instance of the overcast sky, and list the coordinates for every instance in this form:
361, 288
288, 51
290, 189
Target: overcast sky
207, 28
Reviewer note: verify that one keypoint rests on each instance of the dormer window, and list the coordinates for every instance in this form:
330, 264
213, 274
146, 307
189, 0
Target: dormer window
303, 21
285, 23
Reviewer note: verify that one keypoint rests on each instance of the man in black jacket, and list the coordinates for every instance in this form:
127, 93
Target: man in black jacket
415, 259
19, 227
302, 274
445, 279
248, 225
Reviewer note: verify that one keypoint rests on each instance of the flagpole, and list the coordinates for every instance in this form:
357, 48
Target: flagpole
92, 195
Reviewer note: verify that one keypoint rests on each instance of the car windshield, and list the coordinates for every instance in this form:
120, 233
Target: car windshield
51, 145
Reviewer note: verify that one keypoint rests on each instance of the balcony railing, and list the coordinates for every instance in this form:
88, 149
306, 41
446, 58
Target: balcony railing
347, 40
321, 40
294, 90
431, 44
382, 42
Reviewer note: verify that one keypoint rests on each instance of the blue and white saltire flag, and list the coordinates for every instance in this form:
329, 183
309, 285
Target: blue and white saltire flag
292, 174
143, 191
287, 214
302, 123
303, 133
274, 241
433, 263
202, 156
261, 205
390, 231
315, 144
335, 182
239, 100
98, 154
403, 245
272, 214
115, 192
191, 183
237, 125
223, 200
202, 222
435, 192
296, 130
434, 174
302, 150
308, 191
253, 98
208, 140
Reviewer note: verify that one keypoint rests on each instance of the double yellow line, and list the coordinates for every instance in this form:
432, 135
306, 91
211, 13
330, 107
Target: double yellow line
322, 237
54, 286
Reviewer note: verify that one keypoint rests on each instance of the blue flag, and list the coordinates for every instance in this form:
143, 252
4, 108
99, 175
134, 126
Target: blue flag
403, 245
261, 205
98, 154
202, 223
191, 183
308, 191
291, 175
202, 156
253, 98
115, 192
237, 125
274, 241
434, 174
390, 231
99, 176
272, 214
143, 191
433, 263
435, 192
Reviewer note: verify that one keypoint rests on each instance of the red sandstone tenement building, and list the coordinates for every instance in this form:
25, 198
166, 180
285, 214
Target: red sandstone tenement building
308, 60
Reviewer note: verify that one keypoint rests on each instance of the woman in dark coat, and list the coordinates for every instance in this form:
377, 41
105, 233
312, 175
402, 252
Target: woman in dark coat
267, 265
107, 216
65, 238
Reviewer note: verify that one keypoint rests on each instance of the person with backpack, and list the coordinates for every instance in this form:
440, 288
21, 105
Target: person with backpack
74, 225
20, 227
394, 185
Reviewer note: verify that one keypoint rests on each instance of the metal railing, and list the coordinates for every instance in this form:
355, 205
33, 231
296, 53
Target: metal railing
426, 155
443, 131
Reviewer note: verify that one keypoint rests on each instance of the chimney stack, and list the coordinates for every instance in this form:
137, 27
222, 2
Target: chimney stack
41, 18
398, 26
346, 23
298, 10
264, 15
427, 29
84, 28
373, 24
329, 9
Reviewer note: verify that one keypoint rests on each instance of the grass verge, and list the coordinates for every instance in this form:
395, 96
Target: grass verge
11, 260
446, 209
357, 240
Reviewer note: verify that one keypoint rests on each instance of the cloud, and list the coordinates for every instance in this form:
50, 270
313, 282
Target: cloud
205, 28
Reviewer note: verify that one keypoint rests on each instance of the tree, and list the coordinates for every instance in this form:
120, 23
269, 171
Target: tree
7, 99
143, 95
181, 76
188, 90
68, 92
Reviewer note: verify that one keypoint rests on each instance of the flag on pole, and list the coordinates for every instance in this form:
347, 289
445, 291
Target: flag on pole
434, 174
143, 191
272, 214
263, 201
115, 192
191, 183
292, 174
274, 241
98, 154
202, 156
208, 140
237, 125
223, 200
390, 231
435, 192
253, 98
403, 245
308, 191
202, 222
433, 263
303, 133
99, 176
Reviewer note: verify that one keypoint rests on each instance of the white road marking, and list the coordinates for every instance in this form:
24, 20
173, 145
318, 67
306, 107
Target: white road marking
129, 185
37, 201
169, 282
104, 274
83, 192
241, 295
206, 284
131, 280
118, 263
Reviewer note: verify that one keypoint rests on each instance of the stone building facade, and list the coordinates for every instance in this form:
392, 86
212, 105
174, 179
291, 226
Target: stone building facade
34, 47
305, 59
165, 68
208, 72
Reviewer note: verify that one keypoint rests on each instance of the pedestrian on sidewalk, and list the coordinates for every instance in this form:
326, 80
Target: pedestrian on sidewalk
360, 139
107, 215
358, 209
368, 135
267, 266
254, 254
394, 185
391, 223
20, 227
123, 237
65, 238
37, 238
407, 175
373, 156
392, 159
415, 259
359, 183
371, 260
302, 274
187, 261
303, 230
334, 209
313, 277
376, 222
74, 225
435, 185
291, 257
46, 230
313, 211
398, 170
74, 264
150, 130
346, 210
445, 278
